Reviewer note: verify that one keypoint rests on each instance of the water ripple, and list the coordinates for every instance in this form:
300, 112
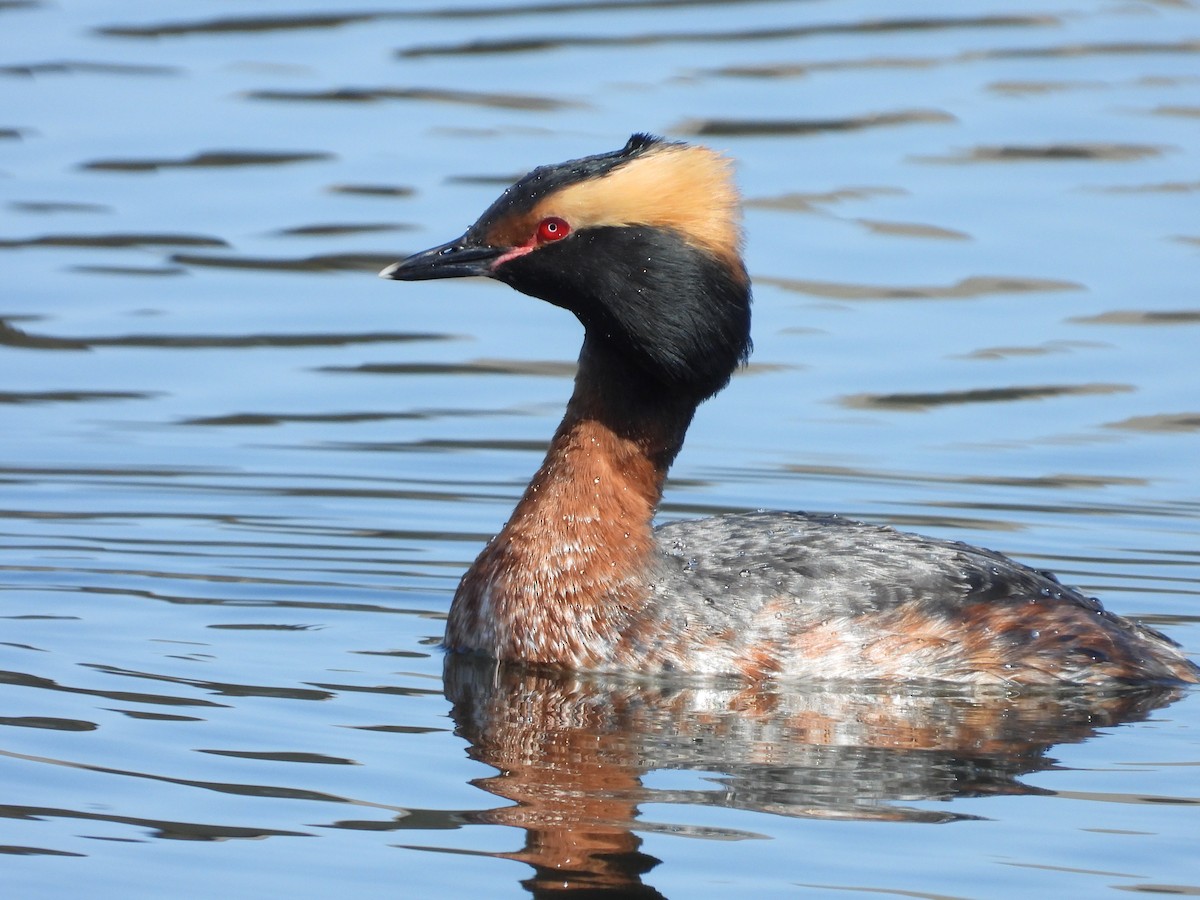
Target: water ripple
799, 127
966, 288
1063, 152
208, 159
922, 402
776, 33
526, 102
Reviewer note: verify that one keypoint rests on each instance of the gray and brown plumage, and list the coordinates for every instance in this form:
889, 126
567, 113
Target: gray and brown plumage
643, 245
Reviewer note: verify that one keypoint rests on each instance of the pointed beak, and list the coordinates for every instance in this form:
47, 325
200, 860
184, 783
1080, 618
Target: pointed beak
455, 259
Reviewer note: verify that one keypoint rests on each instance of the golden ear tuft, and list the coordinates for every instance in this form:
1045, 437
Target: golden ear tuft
685, 188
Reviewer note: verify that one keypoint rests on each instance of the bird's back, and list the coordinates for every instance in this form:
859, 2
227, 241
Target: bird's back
792, 596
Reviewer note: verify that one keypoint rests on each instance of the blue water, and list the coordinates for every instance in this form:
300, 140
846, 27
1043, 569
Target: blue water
240, 476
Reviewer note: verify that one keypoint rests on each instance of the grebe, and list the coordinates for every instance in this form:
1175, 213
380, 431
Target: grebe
643, 245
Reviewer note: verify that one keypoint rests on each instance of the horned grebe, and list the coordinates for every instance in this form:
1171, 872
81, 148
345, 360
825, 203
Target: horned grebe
643, 245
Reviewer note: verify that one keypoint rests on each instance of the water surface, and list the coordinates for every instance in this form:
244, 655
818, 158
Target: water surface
241, 475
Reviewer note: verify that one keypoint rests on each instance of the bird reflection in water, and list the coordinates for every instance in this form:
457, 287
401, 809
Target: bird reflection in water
572, 751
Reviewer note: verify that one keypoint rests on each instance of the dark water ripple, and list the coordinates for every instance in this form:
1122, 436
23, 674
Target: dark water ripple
1050, 153
340, 228
373, 190
34, 681
78, 396
14, 336
157, 828
777, 33
1142, 317
799, 127
914, 402
1067, 51
965, 289
207, 159
320, 262
526, 102
541, 368
85, 67
300, 21
1161, 423
57, 206
48, 723
114, 240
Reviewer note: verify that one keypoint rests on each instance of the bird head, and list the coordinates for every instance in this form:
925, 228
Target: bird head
642, 244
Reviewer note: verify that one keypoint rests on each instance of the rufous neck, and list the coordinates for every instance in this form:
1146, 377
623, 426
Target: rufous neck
558, 583
608, 460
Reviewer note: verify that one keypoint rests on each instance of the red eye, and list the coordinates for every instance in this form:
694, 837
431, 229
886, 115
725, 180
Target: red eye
551, 229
